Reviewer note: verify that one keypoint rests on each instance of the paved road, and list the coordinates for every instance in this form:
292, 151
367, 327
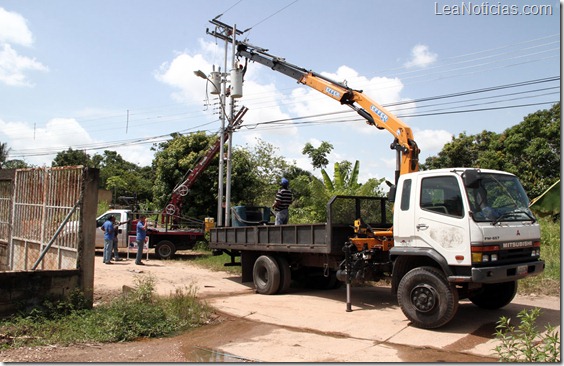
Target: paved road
313, 326
373, 332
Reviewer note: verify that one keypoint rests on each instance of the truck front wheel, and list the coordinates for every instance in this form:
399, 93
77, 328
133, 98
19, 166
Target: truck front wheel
426, 298
165, 249
494, 296
266, 275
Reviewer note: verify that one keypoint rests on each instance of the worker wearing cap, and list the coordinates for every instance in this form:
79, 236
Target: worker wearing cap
284, 198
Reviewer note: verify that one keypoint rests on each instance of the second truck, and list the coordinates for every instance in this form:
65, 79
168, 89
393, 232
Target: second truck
452, 233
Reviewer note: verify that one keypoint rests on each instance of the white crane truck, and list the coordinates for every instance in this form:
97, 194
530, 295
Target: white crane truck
452, 234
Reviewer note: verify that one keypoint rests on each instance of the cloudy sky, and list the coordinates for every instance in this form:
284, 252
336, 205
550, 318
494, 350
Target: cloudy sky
119, 75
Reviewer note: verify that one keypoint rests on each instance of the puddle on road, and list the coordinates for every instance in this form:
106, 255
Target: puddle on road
200, 354
202, 344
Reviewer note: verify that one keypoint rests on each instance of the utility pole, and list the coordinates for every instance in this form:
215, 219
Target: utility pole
224, 31
230, 133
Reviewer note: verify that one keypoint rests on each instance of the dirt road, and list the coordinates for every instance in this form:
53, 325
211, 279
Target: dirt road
301, 326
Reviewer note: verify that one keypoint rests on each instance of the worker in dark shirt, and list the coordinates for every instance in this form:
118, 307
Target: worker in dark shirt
283, 200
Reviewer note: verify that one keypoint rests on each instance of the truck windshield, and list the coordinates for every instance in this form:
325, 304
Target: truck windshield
498, 198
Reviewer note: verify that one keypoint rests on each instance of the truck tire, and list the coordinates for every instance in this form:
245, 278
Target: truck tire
266, 275
285, 274
165, 249
495, 295
426, 298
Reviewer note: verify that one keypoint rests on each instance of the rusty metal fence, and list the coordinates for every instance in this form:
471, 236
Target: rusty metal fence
45, 218
5, 216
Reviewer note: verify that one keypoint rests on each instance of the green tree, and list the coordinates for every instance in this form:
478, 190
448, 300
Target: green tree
122, 177
468, 151
72, 157
317, 193
174, 159
530, 150
268, 169
4, 152
318, 155
345, 178
14, 164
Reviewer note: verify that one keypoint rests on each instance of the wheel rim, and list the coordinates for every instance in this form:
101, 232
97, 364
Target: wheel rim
262, 275
424, 298
164, 251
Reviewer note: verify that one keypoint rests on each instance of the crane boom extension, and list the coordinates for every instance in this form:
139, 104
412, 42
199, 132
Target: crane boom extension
374, 113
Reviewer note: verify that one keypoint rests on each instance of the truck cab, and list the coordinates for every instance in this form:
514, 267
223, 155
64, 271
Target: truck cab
475, 223
122, 217
442, 209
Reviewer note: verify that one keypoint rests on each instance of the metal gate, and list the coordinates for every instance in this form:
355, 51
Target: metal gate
45, 218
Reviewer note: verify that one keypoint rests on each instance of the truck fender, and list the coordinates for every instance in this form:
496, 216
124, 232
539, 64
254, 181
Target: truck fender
405, 259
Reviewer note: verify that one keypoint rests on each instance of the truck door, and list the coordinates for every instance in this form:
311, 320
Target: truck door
441, 221
404, 226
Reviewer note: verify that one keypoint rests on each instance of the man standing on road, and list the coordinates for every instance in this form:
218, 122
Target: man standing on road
116, 241
283, 200
141, 235
108, 229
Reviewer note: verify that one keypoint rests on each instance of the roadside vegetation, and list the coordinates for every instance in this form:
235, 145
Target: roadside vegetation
137, 314
525, 342
548, 282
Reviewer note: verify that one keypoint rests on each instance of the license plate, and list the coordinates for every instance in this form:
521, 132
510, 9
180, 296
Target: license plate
522, 270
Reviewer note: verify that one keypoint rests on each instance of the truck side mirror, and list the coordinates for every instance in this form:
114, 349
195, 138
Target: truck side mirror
471, 178
392, 193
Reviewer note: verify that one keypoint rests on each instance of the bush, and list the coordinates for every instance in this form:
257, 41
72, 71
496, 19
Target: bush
526, 343
137, 314
548, 282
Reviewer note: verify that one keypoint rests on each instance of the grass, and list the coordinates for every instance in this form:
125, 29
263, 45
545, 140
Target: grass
548, 282
215, 262
137, 314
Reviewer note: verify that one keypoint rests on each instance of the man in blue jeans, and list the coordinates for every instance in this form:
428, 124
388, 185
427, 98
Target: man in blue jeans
108, 229
141, 235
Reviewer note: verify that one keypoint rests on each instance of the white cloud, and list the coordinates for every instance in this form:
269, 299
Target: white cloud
13, 29
58, 135
276, 105
431, 141
13, 66
421, 56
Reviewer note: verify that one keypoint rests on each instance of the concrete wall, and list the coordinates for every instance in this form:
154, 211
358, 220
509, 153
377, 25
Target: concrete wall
26, 289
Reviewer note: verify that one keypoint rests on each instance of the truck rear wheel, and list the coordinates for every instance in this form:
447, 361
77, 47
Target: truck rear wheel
426, 298
266, 275
165, 249
495, 295
285, 274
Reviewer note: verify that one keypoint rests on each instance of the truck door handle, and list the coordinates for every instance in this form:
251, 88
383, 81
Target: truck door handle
422, 227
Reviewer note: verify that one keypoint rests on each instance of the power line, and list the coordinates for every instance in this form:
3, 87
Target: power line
273, 14
302, 120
